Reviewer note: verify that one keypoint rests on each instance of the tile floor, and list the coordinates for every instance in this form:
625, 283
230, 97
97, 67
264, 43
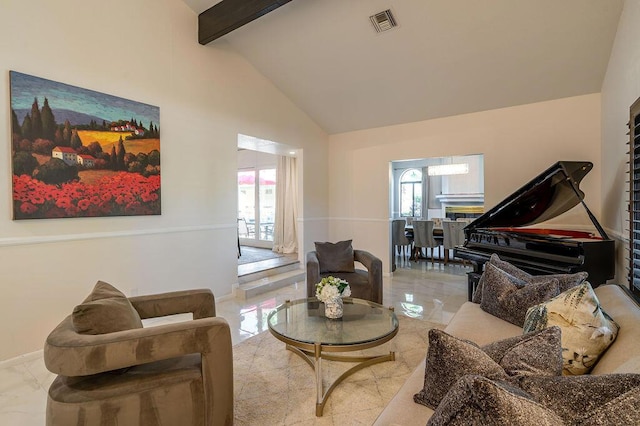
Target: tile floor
418, 290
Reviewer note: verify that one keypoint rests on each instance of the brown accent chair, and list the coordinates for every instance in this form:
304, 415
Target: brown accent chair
365, 285
174, 374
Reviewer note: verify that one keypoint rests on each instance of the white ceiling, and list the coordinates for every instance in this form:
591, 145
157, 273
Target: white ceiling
447, 57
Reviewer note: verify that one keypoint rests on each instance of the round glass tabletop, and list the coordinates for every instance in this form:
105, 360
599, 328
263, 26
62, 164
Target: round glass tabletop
304, 321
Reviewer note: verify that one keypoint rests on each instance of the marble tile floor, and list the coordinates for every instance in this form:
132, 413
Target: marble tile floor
416, 289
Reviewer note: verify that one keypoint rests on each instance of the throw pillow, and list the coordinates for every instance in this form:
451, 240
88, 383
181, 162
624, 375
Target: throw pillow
336, 257
565, 281
105, 310
103, 290
531, 354
478, 401
450, 358
587, 331
505, 297
504, 266
608, 399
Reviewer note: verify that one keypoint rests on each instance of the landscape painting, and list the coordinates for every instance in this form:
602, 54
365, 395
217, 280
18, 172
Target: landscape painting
81, 153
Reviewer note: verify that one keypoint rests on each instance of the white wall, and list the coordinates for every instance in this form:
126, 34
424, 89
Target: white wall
518, 143
470, 183
147, 51
248, 159
620, 89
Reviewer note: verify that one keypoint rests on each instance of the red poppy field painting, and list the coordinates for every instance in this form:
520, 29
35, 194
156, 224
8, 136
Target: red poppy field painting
82, 153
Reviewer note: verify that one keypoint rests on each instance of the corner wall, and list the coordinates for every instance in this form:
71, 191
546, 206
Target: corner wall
621, 87
518, 143
145, 50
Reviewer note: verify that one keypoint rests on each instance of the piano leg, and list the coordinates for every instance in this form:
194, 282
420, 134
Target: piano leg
472, 282
473, 278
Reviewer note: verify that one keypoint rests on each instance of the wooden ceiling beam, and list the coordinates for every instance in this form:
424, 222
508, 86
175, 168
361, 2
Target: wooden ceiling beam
229, 15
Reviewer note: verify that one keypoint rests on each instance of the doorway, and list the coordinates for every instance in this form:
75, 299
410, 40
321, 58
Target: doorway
437, 189
262, 165
256, 203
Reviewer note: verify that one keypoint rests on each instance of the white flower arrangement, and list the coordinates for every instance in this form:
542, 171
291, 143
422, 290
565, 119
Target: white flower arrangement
332, 288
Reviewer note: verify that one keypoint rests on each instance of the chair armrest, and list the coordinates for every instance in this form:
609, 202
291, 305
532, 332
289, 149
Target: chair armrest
313, 273
366, 258
374, 269
71, 354
201, 303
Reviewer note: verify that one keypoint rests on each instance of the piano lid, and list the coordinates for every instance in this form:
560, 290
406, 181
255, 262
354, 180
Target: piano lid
553, 192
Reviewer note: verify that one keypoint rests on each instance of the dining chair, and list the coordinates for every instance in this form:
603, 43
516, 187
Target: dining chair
423, 238
453, 235
401, 243
244, 229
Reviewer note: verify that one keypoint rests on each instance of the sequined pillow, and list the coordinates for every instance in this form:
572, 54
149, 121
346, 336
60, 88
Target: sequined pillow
450, 358
507, 298
608, 399
478, 401
565, 281
587, 330
531, 354
504, 266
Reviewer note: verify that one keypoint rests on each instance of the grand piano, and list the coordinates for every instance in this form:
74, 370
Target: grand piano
514, 230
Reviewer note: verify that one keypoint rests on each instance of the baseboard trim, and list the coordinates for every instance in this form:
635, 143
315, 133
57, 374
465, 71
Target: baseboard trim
21, 359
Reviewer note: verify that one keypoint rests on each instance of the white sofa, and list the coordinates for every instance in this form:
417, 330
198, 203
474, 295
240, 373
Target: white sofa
474, 324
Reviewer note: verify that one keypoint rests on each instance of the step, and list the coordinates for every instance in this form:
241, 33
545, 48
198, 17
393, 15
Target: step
248, 289
257, 270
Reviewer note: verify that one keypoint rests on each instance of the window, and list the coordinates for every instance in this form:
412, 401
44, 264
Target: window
634, 199
267, 203
411, 193
247, 195
256, 203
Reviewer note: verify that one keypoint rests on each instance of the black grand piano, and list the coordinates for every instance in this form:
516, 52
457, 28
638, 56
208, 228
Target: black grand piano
511, 230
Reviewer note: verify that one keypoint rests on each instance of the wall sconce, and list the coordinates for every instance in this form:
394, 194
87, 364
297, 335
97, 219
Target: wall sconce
448, 169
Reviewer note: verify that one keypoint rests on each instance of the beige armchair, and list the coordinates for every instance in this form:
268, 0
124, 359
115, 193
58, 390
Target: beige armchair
179, 373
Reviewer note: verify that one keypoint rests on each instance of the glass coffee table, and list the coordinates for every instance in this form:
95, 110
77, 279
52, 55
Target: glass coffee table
302, 326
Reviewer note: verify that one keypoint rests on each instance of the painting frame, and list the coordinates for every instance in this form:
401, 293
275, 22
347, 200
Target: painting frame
76, 152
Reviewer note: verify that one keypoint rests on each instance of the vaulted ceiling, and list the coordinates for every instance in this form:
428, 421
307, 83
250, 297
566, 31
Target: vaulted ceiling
446, 57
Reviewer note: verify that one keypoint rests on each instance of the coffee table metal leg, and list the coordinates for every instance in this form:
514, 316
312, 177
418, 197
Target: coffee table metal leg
316, 364
318, 368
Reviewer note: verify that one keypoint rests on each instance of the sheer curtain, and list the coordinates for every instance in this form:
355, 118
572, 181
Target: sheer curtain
285, 231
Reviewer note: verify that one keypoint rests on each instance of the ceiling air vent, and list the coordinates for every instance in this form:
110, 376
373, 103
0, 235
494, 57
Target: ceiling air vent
383, 21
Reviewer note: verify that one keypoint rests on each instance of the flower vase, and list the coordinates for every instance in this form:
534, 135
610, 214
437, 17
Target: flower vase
333, 308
